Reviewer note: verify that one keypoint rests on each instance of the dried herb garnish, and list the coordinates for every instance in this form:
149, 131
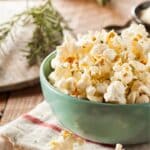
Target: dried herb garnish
47, 34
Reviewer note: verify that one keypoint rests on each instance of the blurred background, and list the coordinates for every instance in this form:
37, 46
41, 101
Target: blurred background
19, 80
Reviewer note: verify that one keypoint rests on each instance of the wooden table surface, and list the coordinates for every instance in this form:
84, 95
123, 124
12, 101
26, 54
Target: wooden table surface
15, 103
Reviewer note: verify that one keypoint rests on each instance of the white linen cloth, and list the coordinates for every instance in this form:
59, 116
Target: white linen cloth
34, 131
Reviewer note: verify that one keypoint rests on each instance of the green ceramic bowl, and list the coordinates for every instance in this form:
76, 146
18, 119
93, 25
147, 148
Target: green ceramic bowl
99, 122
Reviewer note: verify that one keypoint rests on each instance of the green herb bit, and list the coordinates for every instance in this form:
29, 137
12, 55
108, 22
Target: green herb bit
47, 34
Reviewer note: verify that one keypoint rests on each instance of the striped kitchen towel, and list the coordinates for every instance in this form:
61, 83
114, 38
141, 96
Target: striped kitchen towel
40, 130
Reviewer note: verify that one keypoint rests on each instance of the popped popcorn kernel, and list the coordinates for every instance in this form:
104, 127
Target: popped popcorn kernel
66, 141
104, 66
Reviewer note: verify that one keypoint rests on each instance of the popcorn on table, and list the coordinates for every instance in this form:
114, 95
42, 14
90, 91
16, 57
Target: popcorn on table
68, 141
104, 66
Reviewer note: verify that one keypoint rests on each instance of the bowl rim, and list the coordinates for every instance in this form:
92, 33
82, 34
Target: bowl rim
44, 80
135, 14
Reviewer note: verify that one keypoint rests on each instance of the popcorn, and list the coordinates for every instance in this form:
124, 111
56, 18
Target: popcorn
143, 99
84, 82
148, 62
102, 87
98, 49
104, 66
131, 98
110, 53
145, 44
144, 89
140, 93
94, 70
124, 74
62, 85
55, 62
90, 90
66, 141
138, 66
119, 147
71, 84
115, 93
128, 34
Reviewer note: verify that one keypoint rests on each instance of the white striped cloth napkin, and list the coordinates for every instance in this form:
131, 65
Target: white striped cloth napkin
35, 130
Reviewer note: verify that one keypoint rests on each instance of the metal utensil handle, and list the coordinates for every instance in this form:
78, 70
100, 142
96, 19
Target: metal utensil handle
118, 28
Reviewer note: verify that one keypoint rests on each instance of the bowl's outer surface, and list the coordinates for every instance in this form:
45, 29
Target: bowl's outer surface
100, 122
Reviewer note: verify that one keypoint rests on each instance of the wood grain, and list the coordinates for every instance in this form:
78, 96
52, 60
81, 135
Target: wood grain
3, 103
85, 15
15, 72
21, 102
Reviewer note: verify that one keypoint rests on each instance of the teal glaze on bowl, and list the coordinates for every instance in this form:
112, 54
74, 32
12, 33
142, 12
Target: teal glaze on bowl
100, 122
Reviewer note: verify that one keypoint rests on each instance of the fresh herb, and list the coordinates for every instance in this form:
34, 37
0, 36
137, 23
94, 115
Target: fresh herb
47, 34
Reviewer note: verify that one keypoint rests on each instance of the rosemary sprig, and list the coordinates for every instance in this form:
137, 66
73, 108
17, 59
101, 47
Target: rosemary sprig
5, 28
47, 34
